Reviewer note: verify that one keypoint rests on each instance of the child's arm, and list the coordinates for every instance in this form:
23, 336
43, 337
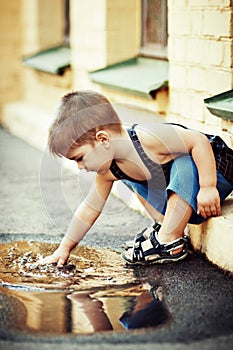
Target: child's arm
198, 145
83, 219
208, 200
172, 141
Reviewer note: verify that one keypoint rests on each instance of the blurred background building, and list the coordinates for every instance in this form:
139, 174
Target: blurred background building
165, 56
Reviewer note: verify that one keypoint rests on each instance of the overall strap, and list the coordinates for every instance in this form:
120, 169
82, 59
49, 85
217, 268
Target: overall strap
157, 170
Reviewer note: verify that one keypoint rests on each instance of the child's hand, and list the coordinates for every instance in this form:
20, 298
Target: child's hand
60, 256
208, 202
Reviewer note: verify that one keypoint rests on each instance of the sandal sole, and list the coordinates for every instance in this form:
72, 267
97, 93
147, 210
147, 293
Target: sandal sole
154, 261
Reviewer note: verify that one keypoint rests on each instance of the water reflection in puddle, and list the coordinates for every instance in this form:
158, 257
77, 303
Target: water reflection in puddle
94, 293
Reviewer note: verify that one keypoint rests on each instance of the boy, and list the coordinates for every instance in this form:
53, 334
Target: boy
180, 175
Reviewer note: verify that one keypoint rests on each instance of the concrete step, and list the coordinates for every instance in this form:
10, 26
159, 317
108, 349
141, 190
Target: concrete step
28, 122
214, 238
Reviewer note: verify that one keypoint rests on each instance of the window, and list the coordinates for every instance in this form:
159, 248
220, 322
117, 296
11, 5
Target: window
147, 74
67, 23
154, 28
54, 60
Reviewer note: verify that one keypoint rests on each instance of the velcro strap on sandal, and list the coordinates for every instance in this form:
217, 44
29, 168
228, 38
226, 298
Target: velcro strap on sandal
138, 254
178, 243
156, 226
140, 236
154, 240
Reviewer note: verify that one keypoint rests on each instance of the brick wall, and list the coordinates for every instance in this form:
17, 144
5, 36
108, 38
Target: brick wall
103, 32
42, 28
200, 55
42, 24
10, 42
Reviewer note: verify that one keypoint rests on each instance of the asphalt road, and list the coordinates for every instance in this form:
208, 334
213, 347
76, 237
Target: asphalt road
38, 196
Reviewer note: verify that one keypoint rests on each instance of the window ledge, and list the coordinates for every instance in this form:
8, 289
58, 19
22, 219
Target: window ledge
141, 76
54, 60
221, 105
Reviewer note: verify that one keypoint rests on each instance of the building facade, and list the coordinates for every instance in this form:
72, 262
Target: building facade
172, 54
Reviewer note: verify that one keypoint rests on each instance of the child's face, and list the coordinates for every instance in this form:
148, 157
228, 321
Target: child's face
95, 158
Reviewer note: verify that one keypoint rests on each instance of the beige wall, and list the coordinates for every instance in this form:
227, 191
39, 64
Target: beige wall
42, 24
42, 28
200, 55
10, 42
26, 27
104, 32
29, 97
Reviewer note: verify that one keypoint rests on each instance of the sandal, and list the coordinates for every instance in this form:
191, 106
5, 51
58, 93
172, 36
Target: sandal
152, 252
141, 236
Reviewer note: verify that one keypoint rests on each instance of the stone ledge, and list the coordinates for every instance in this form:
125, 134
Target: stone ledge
27, 122
214, 237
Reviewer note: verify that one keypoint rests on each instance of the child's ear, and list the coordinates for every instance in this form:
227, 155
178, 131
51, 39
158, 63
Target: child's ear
102, 136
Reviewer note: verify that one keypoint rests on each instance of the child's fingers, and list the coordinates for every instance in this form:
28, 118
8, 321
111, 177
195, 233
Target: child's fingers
47, 260
61, 262
201, 211
209, 210
51, 259
215, 210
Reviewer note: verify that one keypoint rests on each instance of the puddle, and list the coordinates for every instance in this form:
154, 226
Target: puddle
93, 293
87, 267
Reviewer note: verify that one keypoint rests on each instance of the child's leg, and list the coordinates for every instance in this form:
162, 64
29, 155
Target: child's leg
154, 209
144, 233
171, 244
154, 213
177, 215
173, 226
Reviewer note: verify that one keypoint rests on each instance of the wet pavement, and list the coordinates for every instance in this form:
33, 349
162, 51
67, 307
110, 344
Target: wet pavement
92, 293
38, 197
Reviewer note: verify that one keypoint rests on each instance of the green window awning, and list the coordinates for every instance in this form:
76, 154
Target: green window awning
221, 105
141, 76
54, 60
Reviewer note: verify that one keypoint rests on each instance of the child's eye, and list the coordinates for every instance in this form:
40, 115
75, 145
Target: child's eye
78, 159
